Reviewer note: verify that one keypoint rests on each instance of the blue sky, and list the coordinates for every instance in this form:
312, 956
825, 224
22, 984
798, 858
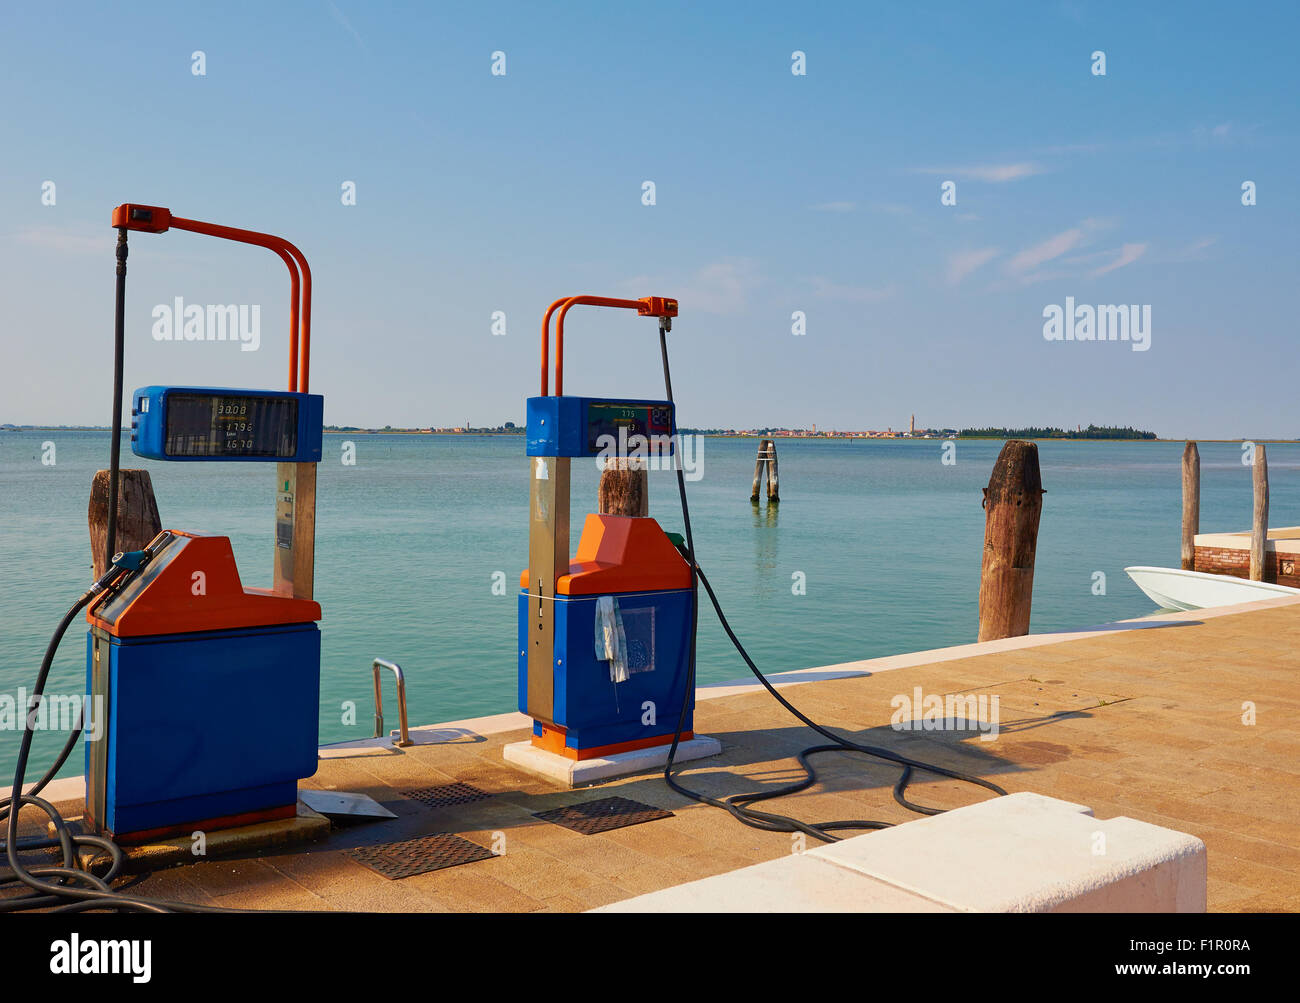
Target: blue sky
775, 193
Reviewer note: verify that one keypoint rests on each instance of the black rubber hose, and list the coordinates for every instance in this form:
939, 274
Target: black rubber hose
66, 886
76, 889
119, 347
738, 804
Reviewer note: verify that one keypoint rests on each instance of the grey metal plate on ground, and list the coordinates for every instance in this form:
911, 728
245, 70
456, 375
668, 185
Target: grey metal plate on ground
602, 815
417, 856
446, 794
340, 804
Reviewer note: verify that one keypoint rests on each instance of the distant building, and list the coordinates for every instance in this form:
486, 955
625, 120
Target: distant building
911, 429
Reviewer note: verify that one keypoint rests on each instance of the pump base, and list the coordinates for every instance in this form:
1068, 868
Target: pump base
583, 772
303, 825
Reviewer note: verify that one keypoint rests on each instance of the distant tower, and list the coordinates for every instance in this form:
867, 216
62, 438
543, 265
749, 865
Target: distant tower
912, 428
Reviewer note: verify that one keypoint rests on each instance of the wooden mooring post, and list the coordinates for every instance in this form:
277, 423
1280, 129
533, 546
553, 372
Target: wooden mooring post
1259, 520
1191, 504
624, 487
138, 521
766, 464
1013, 502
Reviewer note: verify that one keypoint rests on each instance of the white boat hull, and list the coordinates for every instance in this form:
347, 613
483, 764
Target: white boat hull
1172, 588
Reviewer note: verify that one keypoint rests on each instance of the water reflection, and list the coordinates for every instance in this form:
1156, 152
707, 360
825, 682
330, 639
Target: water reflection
766, 518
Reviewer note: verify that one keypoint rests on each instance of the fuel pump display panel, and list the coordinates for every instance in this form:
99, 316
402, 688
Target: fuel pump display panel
208, 425
185, 423
621, 422
592, 426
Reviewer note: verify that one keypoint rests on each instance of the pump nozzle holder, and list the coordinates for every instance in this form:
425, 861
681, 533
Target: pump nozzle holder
146, 218
656, 306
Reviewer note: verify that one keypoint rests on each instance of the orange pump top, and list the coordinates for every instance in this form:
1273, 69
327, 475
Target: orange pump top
621, 553
193, 585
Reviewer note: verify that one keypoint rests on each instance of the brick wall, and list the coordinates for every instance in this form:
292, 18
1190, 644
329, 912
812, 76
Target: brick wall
1226, 561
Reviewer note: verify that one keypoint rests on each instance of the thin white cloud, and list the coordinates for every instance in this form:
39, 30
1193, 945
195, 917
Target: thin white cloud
995, 173
1128, 254
68, 241
341, 20
1221, 133
1053, 247
1073, 11
834, 207
963, 263
1046, 275
824, 288
1062, 149
1195, 251
723, 287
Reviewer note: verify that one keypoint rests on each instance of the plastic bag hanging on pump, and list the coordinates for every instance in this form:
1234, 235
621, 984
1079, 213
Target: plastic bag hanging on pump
611, 641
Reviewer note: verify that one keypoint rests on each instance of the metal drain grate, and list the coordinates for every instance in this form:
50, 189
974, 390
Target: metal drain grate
593, 817
416, 856
446, 794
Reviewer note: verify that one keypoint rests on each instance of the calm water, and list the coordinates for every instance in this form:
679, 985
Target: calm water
408, 541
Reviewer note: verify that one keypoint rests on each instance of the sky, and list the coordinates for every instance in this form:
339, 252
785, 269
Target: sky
777, 195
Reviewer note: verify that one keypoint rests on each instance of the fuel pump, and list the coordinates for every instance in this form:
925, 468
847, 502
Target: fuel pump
210, 688
611, 633
604, 637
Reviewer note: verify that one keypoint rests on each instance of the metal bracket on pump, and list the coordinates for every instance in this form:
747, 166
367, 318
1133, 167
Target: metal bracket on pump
560, 428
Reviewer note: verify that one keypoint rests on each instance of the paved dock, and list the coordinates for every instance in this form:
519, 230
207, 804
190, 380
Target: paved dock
1153, 723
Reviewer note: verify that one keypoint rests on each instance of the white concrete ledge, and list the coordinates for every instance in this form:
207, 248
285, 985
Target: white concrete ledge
60, 789
1020, 853
579, 772
1282, 539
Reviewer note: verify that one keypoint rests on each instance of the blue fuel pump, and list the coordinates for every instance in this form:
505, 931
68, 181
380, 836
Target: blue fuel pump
209, 689
604, 638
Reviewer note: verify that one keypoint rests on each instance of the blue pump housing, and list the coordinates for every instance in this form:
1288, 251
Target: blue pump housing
190, 727
592, 708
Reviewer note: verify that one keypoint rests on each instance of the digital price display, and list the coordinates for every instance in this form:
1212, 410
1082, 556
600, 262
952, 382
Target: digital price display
203, 425
622, 421
192, 423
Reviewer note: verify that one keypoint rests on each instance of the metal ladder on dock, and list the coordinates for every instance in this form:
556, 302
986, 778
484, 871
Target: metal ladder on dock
403, 738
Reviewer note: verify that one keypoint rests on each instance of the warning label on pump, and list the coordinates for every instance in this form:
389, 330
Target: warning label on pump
284, 521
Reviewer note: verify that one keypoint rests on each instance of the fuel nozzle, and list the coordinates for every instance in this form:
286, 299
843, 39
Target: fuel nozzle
130, 560
125, 562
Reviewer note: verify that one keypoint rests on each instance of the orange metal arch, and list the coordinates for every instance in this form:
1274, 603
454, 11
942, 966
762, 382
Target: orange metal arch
647, 306
155, 219
299, 328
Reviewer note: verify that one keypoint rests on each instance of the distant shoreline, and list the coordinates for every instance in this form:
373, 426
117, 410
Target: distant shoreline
715, 435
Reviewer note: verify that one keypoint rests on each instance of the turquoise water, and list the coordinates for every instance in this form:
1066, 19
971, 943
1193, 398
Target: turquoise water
408, 541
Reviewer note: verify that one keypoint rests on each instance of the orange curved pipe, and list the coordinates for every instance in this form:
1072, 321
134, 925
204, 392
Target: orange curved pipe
299, 357
304, 354
573, 301
546, 344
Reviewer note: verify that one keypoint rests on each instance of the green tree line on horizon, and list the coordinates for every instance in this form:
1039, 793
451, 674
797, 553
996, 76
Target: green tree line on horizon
1035, 432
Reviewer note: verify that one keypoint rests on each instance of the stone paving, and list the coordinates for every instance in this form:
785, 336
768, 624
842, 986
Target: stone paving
1149, 723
